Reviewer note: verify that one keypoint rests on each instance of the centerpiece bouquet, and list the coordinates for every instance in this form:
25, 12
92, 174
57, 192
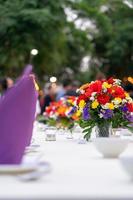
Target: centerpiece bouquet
104, 104
61, 114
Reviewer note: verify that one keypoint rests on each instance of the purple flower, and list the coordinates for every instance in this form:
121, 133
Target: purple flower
124, 108
106, 113
73, 110
86, 114
129, 117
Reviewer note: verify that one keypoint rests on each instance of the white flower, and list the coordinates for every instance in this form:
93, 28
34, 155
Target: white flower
92, 98
117, 81
101, 115
105, 106
116, 106
53, 116
105, 90
82, 91
116, 102
124, 101
129, 99
74, 103
77, 91
66, 113
93, 94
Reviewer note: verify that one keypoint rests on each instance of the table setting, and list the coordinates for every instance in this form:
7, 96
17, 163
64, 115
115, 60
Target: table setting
74, 171
83, 150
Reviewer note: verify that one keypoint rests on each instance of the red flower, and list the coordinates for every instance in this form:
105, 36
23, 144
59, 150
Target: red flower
96, 86
93, 87
103, 98
82, 97
110, 80
48, 111
73, 98
130, 107
117, 91
88, 92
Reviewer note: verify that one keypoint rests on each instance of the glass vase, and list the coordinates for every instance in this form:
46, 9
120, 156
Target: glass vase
69, 133
104, 129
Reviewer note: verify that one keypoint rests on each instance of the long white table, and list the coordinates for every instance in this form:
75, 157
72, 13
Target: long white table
78, 172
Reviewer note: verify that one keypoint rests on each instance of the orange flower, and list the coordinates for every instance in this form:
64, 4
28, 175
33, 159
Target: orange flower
83, 87
75, 117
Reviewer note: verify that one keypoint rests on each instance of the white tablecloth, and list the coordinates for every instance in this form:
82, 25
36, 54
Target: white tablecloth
78, 172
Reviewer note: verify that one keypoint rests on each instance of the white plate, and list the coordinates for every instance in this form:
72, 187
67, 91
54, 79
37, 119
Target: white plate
43, 169
31, 149
17, 169
24, 168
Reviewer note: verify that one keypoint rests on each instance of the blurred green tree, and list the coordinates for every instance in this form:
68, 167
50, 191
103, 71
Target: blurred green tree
40, 24
102, 29
113, 38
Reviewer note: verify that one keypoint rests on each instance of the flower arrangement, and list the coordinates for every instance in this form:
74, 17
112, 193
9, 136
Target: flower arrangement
104, 101
61, 113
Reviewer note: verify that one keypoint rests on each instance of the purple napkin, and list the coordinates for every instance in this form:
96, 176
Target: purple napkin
17, 113
28, 69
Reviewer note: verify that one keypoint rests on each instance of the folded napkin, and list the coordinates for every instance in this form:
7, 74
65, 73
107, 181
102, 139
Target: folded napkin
17, 113
28, 69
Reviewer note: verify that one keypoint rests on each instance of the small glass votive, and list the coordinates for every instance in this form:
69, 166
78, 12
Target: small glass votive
50, 134
116, 132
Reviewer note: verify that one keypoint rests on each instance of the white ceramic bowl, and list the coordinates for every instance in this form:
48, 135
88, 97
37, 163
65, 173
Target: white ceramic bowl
110, 147
127, 163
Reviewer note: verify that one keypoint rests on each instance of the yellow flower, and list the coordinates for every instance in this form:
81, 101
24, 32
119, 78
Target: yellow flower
111, 106
82, 104
94, 104
78, 113
127, 95
106, 85
70, 101
117, 100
